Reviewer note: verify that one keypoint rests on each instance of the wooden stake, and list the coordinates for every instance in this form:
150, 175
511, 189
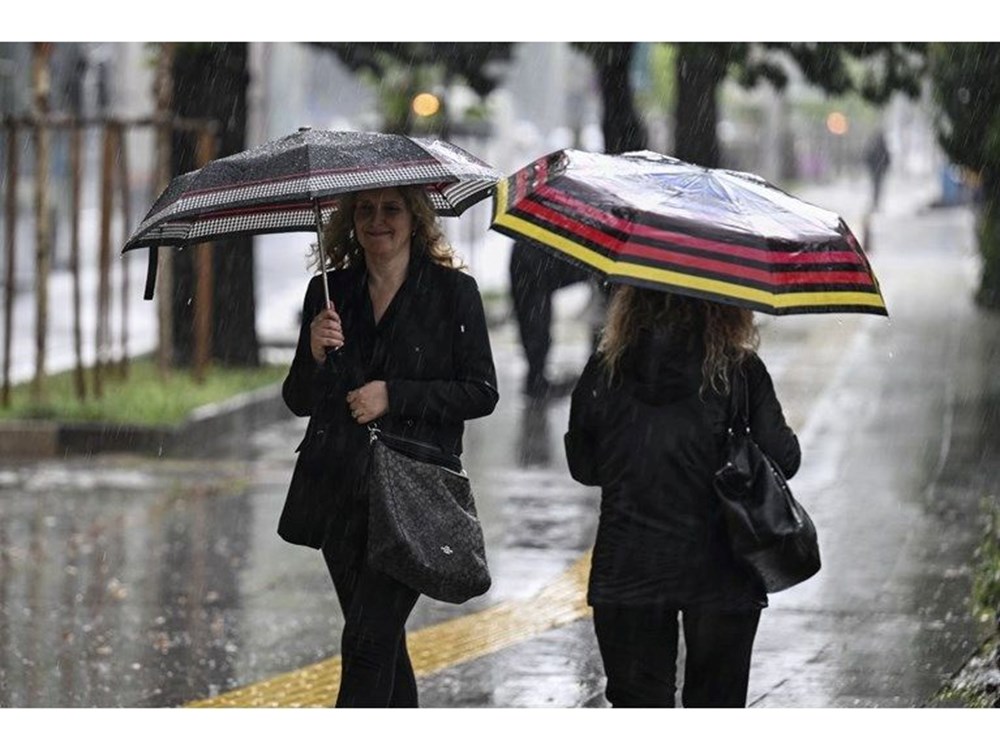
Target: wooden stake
203, 280
41, 53
76, 179
123, 185
103, 337
10, 235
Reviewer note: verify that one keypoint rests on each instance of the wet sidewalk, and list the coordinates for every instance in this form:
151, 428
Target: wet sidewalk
135, 582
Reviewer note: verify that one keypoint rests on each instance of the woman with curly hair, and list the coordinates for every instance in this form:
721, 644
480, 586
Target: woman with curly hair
404, 342
648, 420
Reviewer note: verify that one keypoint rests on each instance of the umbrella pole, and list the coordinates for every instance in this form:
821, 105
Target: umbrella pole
322, 253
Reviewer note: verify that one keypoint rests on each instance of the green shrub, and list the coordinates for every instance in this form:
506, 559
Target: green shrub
143, 398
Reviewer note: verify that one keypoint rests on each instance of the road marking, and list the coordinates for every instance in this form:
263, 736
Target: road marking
433, 648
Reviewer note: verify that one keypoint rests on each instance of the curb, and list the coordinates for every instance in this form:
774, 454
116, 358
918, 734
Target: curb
205, 430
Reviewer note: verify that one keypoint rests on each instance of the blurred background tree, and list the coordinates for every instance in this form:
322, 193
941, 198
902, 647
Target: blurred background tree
620, 120
400, 71
210, 81
873, 70
967, 89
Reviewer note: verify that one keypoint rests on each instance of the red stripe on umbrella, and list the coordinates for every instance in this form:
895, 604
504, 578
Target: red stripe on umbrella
627, 249
828, 257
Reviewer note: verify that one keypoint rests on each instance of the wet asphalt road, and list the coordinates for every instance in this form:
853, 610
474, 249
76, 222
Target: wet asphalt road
156, 582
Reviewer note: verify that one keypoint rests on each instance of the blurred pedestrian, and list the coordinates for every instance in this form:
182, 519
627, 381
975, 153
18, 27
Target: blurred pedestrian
535, 276
877, 159
408, 346
648, 420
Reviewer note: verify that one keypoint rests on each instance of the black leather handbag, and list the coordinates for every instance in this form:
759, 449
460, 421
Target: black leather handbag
768, 529
422, 524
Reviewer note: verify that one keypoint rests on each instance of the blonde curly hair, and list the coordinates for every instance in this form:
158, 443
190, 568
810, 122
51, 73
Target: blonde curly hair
729, 332
343, 250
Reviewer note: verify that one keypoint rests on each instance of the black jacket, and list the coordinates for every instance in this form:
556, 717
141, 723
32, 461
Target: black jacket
432, 349
652, 443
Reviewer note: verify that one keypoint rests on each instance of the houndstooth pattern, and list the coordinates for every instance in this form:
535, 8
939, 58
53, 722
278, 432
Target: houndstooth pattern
182, 232
312, 185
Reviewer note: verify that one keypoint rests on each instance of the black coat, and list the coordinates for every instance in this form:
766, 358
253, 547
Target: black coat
652, 442
432, 349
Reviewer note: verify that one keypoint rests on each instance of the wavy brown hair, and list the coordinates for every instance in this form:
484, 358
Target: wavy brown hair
343, 250
729, 332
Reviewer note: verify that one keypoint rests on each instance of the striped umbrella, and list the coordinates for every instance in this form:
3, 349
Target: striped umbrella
650, 220
292, 184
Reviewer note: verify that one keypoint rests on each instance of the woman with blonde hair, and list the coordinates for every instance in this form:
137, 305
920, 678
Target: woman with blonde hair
648, 421
404, 342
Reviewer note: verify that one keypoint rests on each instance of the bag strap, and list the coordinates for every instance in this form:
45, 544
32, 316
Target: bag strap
739, 400
415, 449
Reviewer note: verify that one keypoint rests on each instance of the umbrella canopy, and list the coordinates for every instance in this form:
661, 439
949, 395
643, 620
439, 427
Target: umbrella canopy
650, 220
292, 184
274, 187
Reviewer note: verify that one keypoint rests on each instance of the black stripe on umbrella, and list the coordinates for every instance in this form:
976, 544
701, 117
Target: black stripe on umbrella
612, 239
787, 272
648, 224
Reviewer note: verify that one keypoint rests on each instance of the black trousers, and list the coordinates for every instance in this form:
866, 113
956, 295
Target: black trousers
376, 671
534, 277
639, 649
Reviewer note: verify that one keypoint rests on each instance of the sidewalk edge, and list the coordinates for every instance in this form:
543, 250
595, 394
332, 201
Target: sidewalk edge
207, 425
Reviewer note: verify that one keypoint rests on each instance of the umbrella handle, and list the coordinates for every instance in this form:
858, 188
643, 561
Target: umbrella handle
154, 255
322, 254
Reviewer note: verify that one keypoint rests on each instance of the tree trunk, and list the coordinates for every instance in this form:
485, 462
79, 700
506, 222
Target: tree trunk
701, 68
622, 126
210, 80
988, 294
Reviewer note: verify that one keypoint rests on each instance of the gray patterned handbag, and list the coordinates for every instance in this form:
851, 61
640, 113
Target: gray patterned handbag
422, 524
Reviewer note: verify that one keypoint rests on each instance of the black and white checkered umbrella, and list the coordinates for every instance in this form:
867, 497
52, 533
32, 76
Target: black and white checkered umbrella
288, 184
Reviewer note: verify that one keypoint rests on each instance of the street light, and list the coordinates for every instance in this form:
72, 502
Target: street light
836, 123
425, 104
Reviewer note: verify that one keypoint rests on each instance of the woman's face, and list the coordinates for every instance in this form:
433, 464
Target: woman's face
383, 223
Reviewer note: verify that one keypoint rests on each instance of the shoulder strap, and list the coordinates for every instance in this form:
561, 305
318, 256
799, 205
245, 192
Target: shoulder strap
739, 399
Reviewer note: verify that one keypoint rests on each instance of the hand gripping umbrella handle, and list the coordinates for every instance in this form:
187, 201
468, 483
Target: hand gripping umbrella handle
322, 268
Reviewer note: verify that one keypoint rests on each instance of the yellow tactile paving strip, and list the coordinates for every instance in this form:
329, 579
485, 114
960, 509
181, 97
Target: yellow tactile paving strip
432, 649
